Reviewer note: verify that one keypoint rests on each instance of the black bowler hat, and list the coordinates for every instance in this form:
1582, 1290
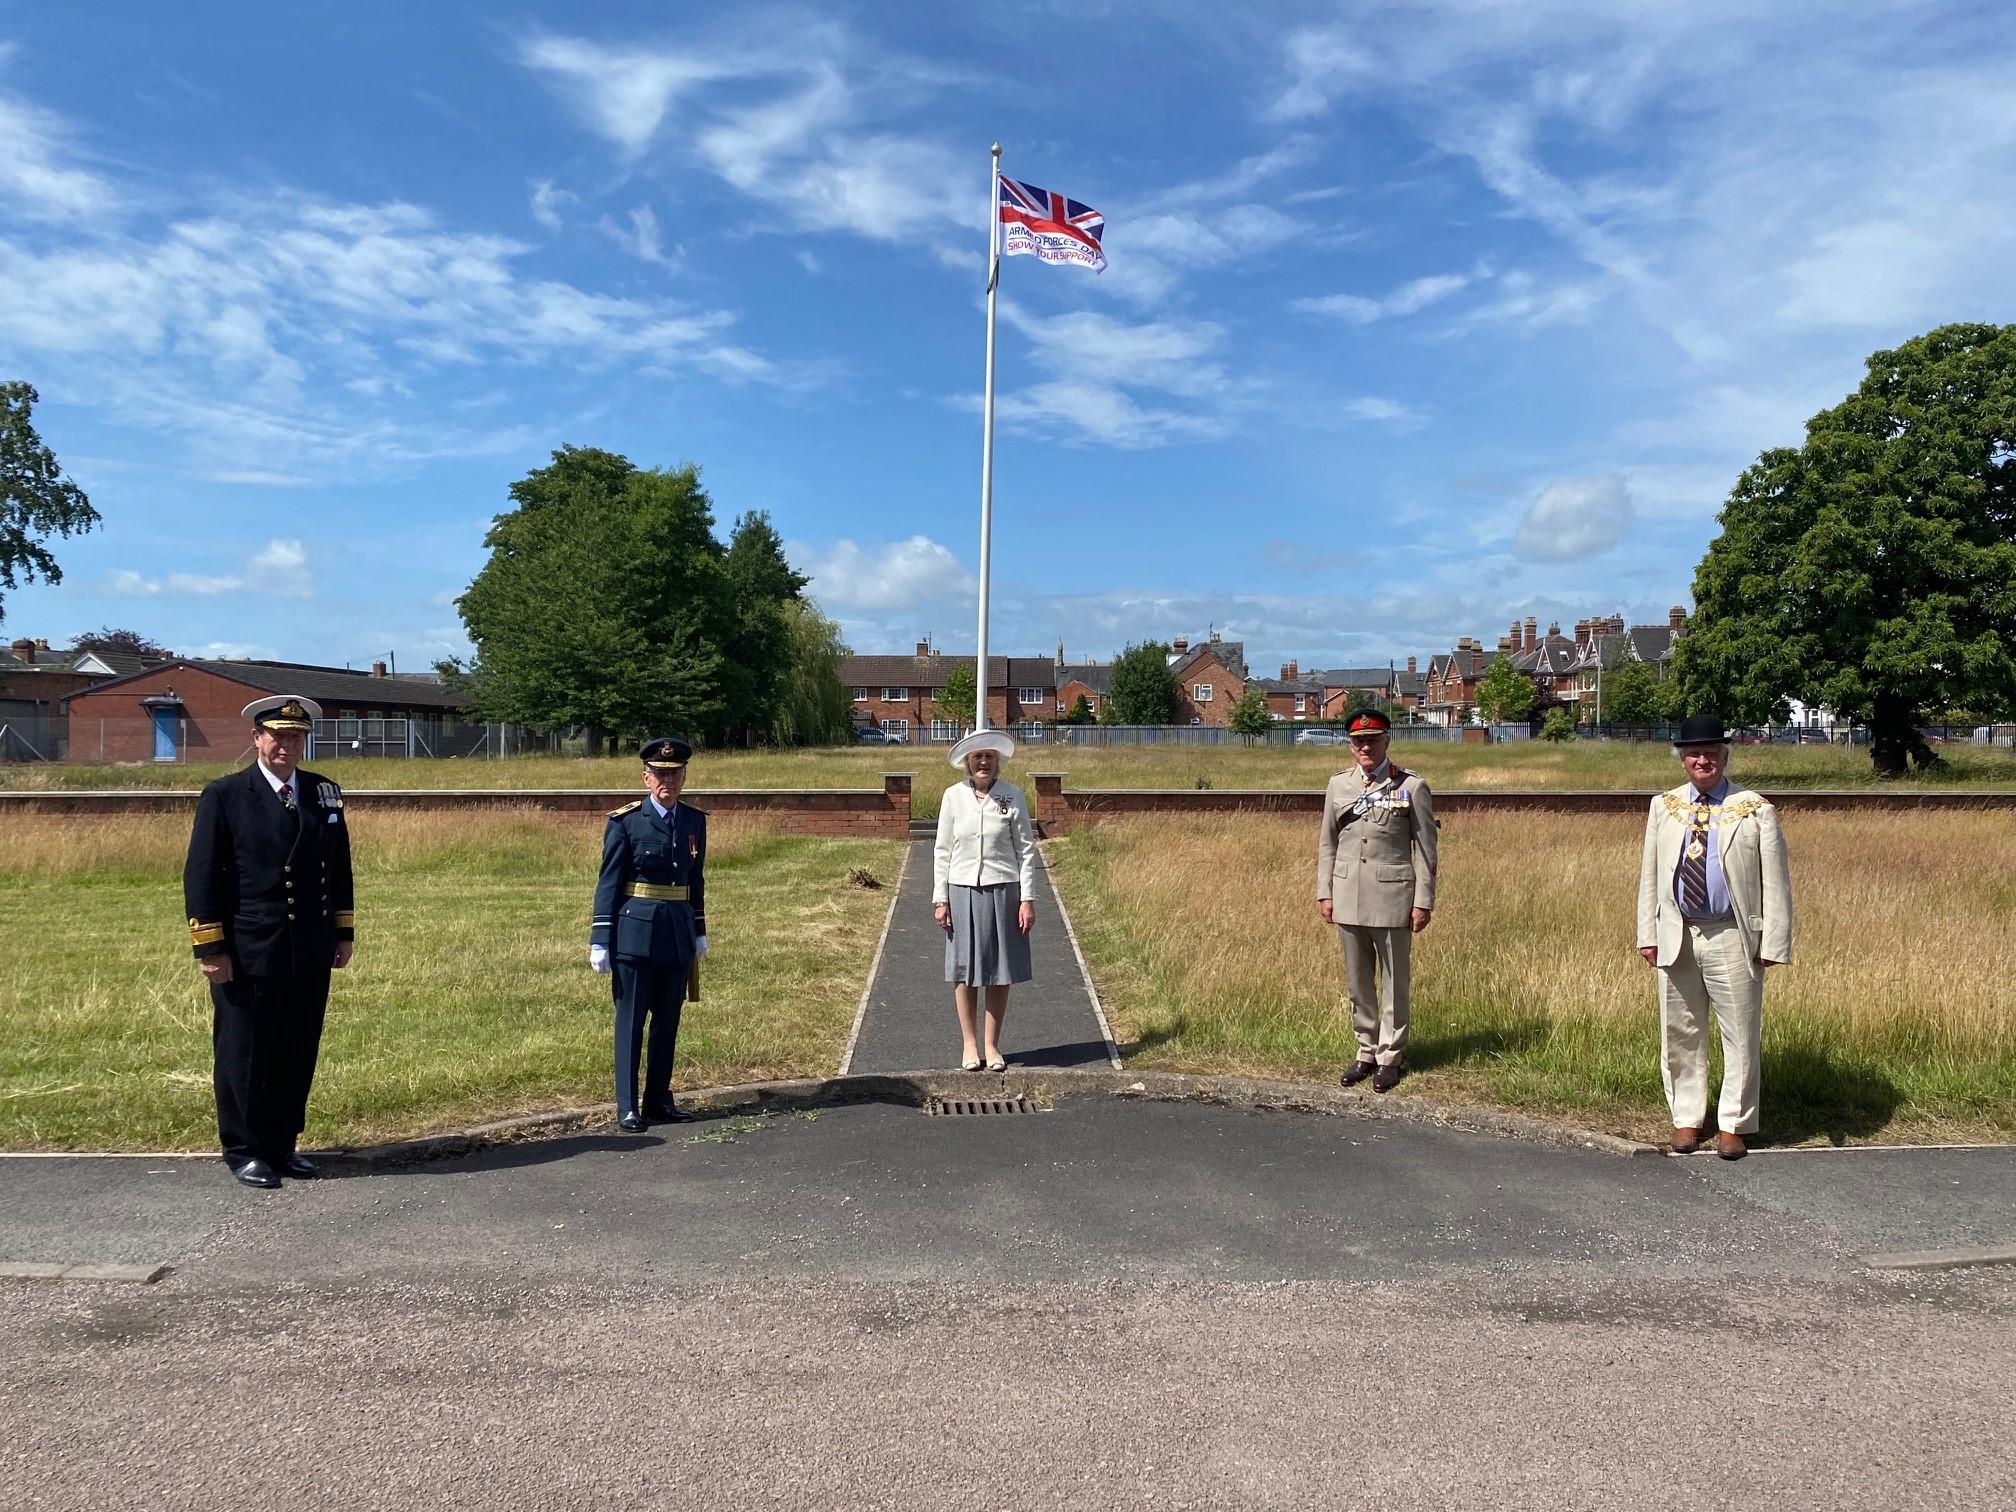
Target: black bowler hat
1367, 722
1701, 729
666, 754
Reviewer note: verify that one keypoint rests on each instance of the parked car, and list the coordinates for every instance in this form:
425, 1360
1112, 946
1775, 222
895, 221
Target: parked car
2001, 735
1320, 735
869, 735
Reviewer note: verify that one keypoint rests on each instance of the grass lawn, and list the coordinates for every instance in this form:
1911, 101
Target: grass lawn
470, 997
1446, 764
1895, 1022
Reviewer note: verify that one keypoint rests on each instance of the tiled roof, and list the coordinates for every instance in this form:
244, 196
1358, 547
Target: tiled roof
1231, 655
930, 671
332, 687
1551, 656
1284, 685
1410, 684
1651, 642
1098, 676
1356, 677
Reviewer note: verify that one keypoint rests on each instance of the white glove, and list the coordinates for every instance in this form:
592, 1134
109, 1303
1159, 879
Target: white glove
598, 959
701, 941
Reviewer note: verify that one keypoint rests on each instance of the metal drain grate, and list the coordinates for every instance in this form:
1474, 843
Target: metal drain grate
947, 1107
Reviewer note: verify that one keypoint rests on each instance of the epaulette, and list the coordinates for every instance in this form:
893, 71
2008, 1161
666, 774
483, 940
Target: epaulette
627, 808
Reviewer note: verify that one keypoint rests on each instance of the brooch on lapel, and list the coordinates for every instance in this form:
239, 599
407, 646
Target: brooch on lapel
693, 845
1001, 804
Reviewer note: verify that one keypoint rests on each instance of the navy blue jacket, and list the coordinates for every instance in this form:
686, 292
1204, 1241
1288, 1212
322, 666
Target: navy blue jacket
273, 892
638, 846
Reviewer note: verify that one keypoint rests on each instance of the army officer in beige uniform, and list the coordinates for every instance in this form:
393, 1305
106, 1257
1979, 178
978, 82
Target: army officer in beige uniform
1375, 880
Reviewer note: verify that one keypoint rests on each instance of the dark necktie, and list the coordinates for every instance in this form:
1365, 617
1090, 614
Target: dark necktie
1694, 865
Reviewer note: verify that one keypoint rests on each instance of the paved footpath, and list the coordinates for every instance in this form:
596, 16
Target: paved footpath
909, 1024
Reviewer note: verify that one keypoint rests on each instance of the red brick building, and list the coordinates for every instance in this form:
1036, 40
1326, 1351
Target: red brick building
1210, 676
189, 710
904, 695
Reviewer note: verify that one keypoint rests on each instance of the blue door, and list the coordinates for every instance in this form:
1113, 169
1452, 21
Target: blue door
164, 733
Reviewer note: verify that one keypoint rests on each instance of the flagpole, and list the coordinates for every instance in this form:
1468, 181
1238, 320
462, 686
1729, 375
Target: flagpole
987, 437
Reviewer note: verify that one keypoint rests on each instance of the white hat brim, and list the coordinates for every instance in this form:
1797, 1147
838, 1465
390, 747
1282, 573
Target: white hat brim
983, 740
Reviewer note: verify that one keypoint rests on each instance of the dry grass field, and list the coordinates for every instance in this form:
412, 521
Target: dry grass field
1582, 764
1896, 1021
470, 997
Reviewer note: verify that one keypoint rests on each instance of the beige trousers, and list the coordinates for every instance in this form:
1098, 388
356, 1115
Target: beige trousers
1378, 1007
1713, 973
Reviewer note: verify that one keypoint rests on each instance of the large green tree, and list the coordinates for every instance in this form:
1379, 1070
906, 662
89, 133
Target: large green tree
1142, 689
959, 700
810, 706
762, 588
604, 604
1504, 695
37, 498
1872, 571
1632, 694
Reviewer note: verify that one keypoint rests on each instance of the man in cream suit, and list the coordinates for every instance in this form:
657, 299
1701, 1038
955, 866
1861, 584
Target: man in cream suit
1714, 912
1375, 880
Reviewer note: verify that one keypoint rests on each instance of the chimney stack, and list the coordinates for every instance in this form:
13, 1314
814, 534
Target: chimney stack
1291, 672
1180, 644
377, 669
1518, 639
25, 649
1676, 617
1532, 632
1506, 643
924, 646
1410, 664
1553, 629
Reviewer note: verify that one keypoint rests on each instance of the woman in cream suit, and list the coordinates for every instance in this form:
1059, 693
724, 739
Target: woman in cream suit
1714, 912
983, 874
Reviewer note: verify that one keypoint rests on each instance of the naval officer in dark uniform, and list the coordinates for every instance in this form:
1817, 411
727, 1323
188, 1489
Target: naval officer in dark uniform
650, 927
268, 894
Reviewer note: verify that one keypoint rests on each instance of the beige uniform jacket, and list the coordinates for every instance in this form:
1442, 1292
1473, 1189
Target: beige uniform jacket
1380, 865
1754, 869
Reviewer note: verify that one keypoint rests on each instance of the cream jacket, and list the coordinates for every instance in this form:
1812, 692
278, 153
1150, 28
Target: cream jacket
982, 841
1753, 867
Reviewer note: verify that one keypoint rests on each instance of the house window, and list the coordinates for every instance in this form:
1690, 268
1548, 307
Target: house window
1030, 729
900, 728
895, 695
1029, 695
860, 695
1201, 693
944, 729
1301, 703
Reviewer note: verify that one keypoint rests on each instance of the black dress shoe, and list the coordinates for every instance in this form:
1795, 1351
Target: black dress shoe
1358, 1072
300, 1167
1387, 1079
632, 1123
668, 1111
256, 1173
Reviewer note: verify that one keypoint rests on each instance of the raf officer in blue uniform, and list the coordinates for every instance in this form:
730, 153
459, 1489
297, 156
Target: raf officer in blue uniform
650, 927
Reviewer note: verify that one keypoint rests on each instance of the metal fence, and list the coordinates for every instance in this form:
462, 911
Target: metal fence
170, 739
1284, 734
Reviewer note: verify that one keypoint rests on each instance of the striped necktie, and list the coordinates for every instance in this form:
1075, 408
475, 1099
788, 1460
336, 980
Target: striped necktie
1694, 863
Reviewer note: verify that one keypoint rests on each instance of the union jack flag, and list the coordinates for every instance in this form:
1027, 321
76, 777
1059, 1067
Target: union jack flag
1058, 230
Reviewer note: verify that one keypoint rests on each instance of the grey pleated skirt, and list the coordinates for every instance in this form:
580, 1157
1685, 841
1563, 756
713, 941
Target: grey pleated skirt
985, 948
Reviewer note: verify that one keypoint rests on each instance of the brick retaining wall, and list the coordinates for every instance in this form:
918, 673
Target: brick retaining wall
1060, 809
883, 811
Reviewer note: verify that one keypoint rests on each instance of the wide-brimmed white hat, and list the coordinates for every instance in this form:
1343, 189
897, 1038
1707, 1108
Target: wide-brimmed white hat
983, 740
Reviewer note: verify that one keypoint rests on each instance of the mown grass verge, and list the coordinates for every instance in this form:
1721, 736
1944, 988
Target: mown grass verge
1897, 1020
470, 997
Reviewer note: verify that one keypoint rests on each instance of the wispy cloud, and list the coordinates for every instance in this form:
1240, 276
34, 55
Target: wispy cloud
1573, 519
279, 570
40, 178
638, 234
907, 576
1378, 411
546, 201
1410, 298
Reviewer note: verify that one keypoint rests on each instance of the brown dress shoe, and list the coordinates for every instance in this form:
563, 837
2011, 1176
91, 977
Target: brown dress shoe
1730, 1146
1686, 1141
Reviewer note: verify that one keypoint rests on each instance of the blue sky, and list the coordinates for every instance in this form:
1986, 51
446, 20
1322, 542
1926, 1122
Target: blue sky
1419, 318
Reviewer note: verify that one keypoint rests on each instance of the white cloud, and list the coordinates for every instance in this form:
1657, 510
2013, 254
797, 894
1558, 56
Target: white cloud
546, 202
1410, 298
39, 177
916, 574
1372, 408
641, 238
624, 95
1575, 518
279, 569
230, 651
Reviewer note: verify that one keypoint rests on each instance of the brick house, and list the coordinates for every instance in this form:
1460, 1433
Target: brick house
1091, 681
1606, 643
189, 710
1210, 676
903, 695
1345, 688
1452, 685
1549, 661
1291, 696
34, 681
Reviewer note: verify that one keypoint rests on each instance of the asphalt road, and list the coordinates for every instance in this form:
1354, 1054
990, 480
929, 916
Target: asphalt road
1110, 1303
